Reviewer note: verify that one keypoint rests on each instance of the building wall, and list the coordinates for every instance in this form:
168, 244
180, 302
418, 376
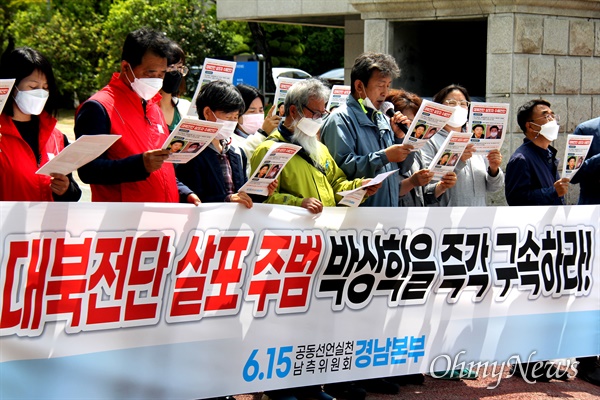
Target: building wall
544, 56
534, 48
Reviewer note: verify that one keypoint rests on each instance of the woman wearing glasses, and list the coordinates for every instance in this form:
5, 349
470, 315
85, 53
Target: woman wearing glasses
476, 174
173, 107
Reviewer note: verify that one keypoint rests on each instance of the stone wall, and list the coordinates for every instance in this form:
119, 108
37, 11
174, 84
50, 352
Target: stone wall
550, 57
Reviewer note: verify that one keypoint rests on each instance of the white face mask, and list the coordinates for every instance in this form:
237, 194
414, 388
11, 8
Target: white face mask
309, 126
253, 122
459, 117
550, 130
31, 102
146, 88
226, 130
368, 103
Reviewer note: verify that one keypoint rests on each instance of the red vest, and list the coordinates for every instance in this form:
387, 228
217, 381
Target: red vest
139, 134
18, 180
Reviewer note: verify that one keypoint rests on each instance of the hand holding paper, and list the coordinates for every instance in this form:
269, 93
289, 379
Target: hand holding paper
352, 198
562, 186
398, 152
467, 153
154, 159
370, 188
59, 183
495, 159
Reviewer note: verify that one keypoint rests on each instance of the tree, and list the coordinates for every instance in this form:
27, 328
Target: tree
66, 33
324, 49
8, 9
83, 39
191, 23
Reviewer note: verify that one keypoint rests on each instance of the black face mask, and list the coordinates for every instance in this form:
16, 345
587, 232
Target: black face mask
171, 82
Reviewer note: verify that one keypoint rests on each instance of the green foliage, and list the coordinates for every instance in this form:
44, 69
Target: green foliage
83, 38
191, 23
315, 50
67, 37
8, 9
324, 49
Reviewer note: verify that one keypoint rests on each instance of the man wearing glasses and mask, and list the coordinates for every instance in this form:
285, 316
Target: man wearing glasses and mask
532, 171
359, 136
311, 178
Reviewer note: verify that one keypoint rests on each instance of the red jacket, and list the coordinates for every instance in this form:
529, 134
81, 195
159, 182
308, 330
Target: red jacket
139, 134
18, 180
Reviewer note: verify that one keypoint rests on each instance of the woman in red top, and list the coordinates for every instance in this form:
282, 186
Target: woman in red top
29, 138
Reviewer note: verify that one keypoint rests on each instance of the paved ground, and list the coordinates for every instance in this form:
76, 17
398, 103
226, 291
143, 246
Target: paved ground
508, 389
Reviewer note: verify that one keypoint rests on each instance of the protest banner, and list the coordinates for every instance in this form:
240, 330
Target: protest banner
144, 300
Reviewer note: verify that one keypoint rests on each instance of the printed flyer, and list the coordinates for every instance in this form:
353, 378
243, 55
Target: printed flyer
487, 124
212, 70
337, 97
430, 118
189, 138
446, 159
575, 152
353, 198
5, 88
269, 169
283, 85
85, 149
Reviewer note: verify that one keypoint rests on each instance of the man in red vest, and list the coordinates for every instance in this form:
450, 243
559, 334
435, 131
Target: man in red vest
133, 169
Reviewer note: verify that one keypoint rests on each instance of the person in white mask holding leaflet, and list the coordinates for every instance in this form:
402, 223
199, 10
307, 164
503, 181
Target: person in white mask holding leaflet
132, 169
217, 174
311, 178
476, 174
253, 127
532, 172
28, 131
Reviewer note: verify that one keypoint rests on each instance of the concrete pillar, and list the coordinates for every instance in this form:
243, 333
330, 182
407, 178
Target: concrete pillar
378, 34
354, 38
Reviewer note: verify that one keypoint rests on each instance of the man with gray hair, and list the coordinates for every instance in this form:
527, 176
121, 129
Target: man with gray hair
359, 136
311, 178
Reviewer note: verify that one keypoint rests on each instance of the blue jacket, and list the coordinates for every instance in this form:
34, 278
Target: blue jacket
530, 176
203, 175
588, 176
357, 142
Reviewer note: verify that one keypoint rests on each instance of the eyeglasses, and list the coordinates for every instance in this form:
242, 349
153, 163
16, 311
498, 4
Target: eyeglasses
454, 103
317, 114
182, 69
548, 117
